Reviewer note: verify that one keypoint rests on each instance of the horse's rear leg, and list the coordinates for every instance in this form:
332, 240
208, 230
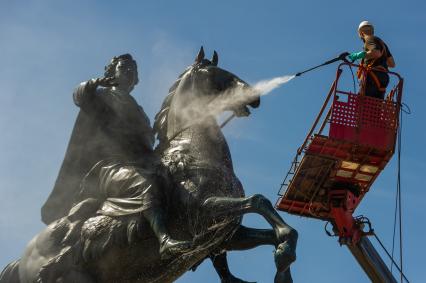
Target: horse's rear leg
243, 239
220, 206
220, 263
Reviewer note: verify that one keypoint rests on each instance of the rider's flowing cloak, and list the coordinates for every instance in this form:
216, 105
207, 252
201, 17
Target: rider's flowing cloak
123, 187
109, 124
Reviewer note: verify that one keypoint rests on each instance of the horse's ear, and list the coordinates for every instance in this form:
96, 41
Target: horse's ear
200, 55
215, 58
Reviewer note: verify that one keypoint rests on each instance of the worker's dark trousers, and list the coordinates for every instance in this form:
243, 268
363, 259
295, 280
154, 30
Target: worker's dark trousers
371, 88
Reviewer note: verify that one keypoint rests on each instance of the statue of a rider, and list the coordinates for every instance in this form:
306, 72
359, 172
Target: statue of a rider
112, 187
112, 128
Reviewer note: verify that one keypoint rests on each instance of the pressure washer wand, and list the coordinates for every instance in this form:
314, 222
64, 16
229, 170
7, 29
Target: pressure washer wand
340, 57
227, 120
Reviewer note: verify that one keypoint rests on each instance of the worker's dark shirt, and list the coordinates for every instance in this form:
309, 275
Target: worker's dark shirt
374, 42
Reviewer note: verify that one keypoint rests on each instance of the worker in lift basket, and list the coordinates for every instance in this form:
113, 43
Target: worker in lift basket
376, 59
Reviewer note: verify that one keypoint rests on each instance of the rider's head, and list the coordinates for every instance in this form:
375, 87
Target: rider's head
124, 70
365, 28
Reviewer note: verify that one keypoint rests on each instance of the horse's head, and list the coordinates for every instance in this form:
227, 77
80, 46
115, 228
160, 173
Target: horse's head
201, 92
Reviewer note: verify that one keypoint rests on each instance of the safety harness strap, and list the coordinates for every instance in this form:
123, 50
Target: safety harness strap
366, 70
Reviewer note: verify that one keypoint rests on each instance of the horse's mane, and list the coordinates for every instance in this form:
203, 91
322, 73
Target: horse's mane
160, 122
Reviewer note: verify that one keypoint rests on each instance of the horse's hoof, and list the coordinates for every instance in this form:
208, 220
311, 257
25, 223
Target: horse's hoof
284, 256
233, 279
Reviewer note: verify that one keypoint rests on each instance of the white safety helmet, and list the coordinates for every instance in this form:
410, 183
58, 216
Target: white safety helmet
364, 24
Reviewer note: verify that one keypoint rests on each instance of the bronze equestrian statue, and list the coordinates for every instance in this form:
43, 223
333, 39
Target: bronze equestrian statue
110, 125
108, 236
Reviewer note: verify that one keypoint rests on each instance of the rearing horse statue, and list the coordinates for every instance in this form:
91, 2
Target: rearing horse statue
205, 200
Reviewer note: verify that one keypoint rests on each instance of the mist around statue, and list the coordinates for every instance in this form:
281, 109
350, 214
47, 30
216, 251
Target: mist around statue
49, 47
162, 211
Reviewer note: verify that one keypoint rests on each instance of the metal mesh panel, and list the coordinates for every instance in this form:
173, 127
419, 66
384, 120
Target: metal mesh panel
364, 120
345, 113
377, 113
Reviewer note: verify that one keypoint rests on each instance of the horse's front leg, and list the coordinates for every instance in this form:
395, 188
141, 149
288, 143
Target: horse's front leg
248, 238
221, 206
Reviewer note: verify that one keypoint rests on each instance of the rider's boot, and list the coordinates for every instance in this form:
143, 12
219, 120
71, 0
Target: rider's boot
168, 245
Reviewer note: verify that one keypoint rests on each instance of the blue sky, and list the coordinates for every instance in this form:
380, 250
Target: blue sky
48, 47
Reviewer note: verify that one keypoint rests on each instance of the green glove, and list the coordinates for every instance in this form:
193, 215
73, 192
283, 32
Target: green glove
357, 55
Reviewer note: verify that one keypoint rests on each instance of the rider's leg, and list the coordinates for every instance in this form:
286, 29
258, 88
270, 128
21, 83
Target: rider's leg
157, 218
168, 246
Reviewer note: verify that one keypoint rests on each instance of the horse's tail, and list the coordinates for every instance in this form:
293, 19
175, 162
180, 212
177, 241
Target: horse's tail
10, 273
